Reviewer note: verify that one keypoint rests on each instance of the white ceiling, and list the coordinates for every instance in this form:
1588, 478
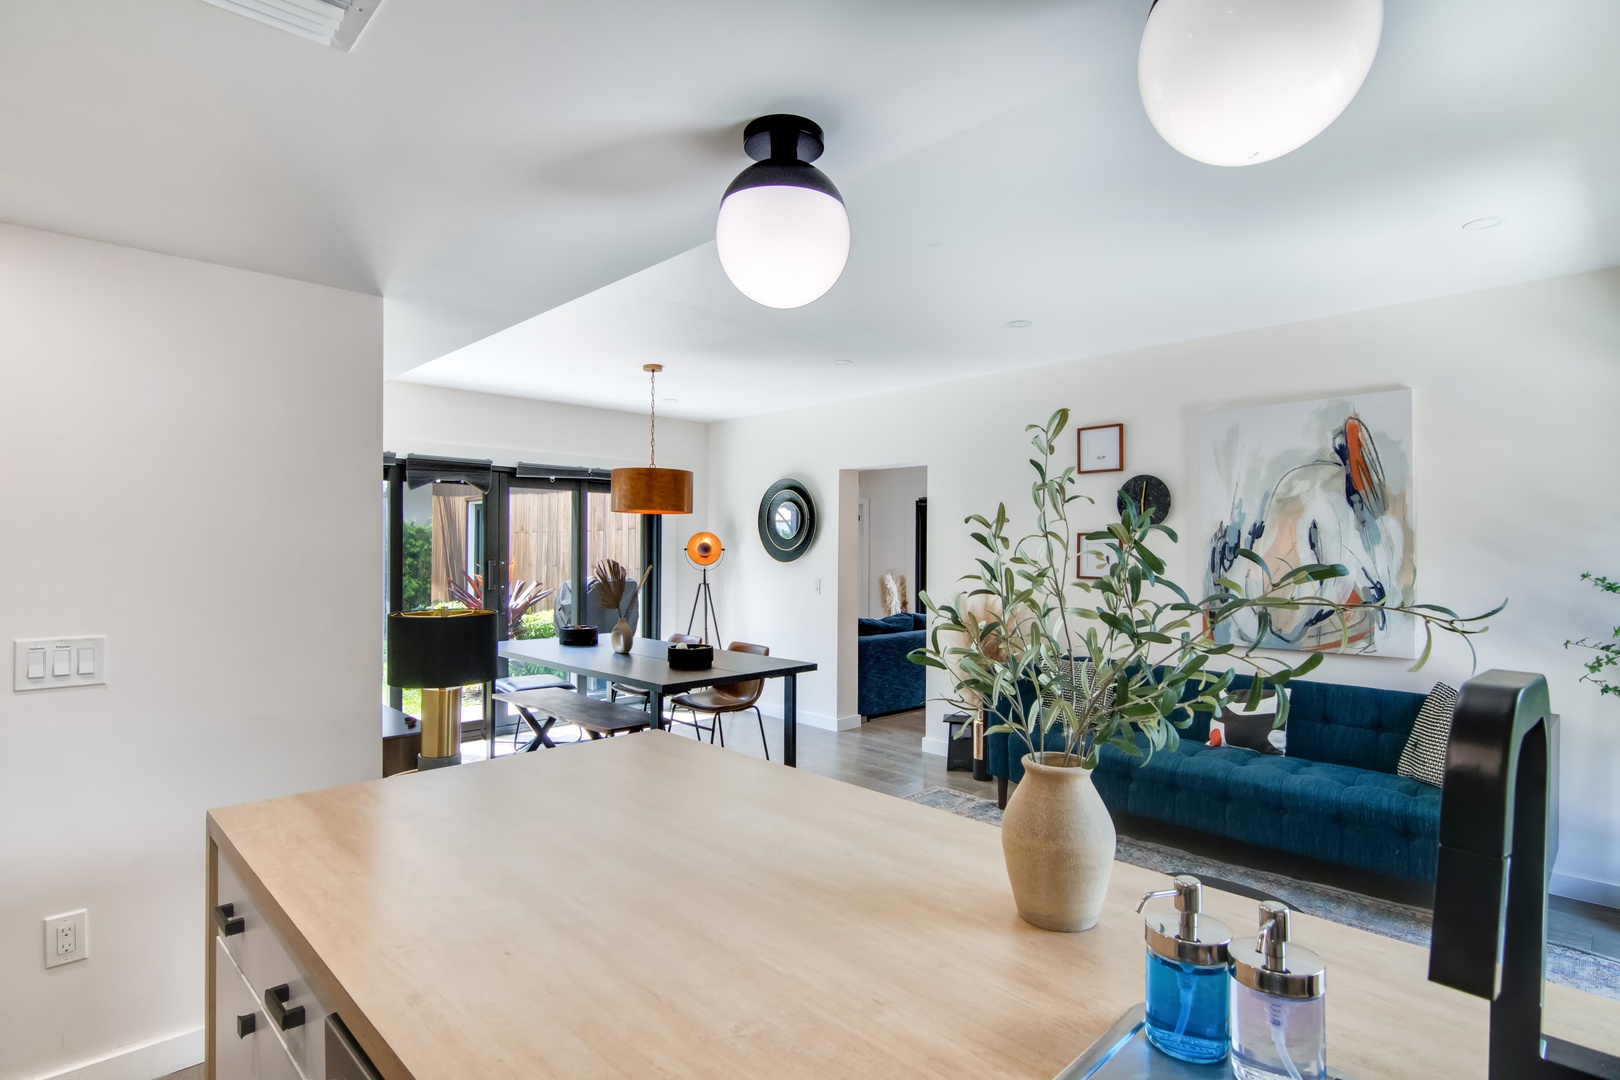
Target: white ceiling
548, 174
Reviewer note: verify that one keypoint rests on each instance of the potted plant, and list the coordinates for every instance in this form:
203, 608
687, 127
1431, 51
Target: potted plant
1069, 666
1606, 654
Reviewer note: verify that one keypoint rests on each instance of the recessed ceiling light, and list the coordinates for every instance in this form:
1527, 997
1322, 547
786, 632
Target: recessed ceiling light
1019, 324
671, 399
1482, 223
843, 363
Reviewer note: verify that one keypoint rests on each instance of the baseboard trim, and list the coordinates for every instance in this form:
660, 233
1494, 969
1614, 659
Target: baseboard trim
937, 747
157, 1058
1605, 893
815, 720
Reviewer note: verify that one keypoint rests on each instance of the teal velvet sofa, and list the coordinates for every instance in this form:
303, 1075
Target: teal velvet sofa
1334, 796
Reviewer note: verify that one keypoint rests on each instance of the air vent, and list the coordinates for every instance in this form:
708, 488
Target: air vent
329, 22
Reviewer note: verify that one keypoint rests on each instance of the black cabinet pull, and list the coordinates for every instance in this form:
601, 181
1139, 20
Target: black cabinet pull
229, 922
247, 1025
275, 1003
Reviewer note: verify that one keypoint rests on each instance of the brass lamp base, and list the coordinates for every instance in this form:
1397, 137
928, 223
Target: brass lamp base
441, 728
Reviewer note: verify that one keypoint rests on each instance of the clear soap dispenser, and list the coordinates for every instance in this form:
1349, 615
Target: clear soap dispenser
1279, 1007
1187, 981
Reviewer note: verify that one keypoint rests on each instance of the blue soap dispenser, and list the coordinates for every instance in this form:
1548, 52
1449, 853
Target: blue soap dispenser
1187, 979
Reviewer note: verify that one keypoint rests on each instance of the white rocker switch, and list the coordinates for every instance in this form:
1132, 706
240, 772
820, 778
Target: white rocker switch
61, 662
36, 663
87, 661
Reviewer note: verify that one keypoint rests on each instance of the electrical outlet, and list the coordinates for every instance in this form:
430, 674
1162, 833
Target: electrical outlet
67, 937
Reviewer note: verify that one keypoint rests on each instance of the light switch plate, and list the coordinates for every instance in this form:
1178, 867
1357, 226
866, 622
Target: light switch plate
83, 662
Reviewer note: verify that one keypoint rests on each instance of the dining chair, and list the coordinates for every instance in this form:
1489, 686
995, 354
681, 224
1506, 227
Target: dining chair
618, 690
720, 700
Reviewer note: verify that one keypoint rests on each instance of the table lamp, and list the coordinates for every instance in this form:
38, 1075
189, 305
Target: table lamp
440, 651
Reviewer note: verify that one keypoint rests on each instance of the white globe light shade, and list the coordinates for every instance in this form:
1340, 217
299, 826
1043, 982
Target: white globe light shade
1238, 82
782, 246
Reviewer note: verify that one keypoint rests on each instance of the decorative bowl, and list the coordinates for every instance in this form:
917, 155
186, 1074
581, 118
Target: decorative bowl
577, 634
691, 657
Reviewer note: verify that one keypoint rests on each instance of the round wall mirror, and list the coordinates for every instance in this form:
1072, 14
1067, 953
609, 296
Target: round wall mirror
787, 520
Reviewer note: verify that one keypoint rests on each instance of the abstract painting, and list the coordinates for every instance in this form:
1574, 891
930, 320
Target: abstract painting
1324, 481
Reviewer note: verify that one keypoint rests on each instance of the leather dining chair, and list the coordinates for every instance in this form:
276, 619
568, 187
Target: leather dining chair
618, 690
729, 698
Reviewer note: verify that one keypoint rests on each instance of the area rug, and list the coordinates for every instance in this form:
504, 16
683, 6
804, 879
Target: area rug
1567, 966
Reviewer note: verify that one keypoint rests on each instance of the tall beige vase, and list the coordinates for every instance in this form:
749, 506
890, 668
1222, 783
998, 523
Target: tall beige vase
1058, 840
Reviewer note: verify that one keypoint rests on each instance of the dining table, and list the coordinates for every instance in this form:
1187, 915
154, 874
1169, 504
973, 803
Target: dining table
646, 667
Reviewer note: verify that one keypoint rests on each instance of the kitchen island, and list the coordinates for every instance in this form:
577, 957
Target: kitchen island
652, 906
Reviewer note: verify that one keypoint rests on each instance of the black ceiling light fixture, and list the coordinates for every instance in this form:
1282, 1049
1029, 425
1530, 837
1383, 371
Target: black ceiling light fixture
783, 232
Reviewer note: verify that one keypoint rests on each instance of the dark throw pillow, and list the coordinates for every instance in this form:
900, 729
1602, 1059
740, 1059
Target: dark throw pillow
1423, 758
1253, 730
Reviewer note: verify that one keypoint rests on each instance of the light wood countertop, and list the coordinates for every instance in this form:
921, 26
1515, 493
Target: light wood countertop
649, 906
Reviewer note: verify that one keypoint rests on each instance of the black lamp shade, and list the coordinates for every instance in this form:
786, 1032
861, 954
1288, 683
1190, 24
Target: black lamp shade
441, 648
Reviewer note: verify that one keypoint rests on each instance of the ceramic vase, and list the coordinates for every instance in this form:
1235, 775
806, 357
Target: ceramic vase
1058, 841
623, 636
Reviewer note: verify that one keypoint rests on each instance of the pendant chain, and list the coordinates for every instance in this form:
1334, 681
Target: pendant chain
653, 438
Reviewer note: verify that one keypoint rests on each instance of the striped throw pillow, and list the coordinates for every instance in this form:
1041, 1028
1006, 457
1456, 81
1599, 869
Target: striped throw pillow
1424, 756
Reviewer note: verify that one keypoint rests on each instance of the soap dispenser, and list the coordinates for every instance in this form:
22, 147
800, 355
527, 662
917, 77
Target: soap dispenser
1187, 980
1279, 1007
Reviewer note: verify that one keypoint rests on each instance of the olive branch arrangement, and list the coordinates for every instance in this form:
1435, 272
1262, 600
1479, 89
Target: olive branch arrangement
1103, 661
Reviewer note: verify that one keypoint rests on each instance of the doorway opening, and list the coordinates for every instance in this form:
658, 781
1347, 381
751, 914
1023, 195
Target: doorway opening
881, 578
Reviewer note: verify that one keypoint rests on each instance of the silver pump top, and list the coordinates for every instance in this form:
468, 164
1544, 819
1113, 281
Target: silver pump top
1188, 936
1274, 965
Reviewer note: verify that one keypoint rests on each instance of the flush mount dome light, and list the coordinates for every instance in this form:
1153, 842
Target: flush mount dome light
1238, 82
783, 233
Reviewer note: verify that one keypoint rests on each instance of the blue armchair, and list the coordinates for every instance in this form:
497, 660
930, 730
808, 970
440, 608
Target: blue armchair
888, 681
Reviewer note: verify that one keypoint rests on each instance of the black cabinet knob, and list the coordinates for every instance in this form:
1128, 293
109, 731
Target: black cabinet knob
247, 1025
229, 922
275, 1003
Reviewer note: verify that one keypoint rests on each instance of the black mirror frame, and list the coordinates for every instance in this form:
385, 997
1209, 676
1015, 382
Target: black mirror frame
787, 549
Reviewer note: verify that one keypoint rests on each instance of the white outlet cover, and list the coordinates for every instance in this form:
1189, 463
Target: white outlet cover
77, 925
75, 649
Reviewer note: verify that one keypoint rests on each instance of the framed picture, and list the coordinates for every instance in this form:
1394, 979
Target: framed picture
1095, 560
1102, 448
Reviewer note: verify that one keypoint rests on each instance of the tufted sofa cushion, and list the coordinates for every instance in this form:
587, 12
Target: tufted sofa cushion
1350, 725
1357, 817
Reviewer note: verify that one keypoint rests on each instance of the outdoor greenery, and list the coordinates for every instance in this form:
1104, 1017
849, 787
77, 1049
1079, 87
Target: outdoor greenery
418, 557
1606, 653
1017, 644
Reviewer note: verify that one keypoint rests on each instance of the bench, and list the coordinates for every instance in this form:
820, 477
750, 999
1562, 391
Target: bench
541, 709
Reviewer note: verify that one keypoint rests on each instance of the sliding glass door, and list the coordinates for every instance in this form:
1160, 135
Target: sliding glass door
519, 541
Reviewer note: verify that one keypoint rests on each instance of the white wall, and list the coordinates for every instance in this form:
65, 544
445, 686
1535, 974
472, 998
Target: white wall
146, 400
1515, 391
458, 423
892, 496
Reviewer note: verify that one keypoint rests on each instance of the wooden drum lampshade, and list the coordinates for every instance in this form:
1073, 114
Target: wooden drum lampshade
652, 490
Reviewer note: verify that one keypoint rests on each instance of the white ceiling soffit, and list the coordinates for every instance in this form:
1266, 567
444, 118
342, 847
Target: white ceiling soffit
336, 23
1071, 214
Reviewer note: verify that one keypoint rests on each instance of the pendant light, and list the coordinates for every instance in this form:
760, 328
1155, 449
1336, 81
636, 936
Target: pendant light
783, 233
652, 490
1238, 82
